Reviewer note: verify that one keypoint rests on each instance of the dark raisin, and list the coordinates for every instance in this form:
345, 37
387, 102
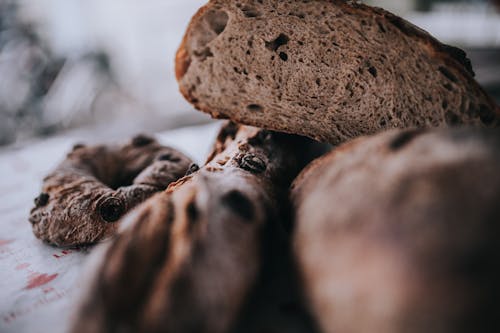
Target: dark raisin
193, 167
111, 209
42, 199
252, 163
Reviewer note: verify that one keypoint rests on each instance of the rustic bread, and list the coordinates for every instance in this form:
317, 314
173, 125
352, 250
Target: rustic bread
186, 259
327, 69
83, 199
399, 233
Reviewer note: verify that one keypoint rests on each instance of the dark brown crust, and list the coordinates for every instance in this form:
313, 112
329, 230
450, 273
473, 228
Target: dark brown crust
451, 56
182, 59
189, 255
402, 221
84, 197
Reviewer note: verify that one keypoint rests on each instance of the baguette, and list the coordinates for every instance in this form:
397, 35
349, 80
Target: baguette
186, 259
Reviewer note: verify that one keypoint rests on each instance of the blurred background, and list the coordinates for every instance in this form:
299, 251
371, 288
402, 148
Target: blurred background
105, 68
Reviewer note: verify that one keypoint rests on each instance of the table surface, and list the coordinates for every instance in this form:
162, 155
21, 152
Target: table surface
38, 283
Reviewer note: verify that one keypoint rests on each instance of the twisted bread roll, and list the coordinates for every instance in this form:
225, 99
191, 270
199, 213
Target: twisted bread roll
84, 197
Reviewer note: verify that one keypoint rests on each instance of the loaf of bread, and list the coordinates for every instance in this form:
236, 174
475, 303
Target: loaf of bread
328, 69
399, 233
186, 259
83, 199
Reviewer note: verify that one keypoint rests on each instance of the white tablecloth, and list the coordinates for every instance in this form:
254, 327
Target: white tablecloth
38, 282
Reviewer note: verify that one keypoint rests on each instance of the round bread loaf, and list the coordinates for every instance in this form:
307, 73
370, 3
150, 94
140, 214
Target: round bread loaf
399, 232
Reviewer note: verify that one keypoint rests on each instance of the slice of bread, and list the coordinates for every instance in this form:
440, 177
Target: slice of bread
399, 232
327, 69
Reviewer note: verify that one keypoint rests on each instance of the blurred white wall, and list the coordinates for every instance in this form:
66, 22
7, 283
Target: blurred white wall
141, 38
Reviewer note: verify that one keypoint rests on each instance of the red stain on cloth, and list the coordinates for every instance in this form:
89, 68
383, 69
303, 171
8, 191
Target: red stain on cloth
38, 280
5, 241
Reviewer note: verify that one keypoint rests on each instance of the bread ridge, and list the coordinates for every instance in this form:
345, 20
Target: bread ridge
485, 112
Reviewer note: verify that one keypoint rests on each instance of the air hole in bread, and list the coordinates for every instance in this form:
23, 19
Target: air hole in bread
283, 56
300, 15
217, 20
203, 54
382, 122
255, 107
448, 74
318, 82
451, 118
448, 86
444, 104
250, 12
403, 139
208, 28
373, 71
239, 204
273, 45
486, 116
381, 27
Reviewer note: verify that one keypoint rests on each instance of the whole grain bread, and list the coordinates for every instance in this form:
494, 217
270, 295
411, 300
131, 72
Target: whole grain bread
399, 232
186, 259
83, 199
327, 69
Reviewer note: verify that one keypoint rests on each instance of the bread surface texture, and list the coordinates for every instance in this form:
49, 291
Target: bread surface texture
399, 232
84, 197
186, 259
328, 69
